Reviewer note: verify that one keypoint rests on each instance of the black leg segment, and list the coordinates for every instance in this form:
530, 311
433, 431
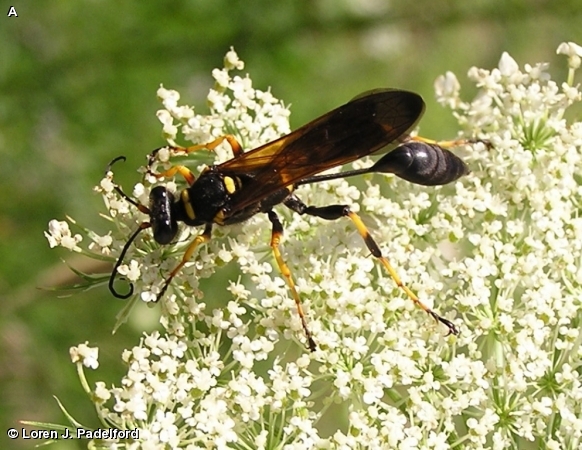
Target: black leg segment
334, 212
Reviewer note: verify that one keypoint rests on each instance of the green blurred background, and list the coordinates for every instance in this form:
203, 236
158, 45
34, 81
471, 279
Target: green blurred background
78, 87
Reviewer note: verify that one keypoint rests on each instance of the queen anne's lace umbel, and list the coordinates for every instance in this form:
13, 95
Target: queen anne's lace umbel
500, 250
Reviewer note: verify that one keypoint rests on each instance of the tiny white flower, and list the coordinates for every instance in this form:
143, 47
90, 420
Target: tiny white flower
59, 234
88, 356
573, 51
447, 89
507, 65
222, 77
101, 393
232, 61
107, 185
131, 271
101, 244
168, 97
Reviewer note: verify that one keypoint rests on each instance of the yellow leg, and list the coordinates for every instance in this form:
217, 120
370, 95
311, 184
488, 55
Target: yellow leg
375, 250
286, 272
210, 146
183, 170
334, 212
198, 240
234, 144
449, 144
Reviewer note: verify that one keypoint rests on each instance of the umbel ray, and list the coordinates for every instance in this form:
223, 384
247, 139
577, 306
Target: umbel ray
255, 181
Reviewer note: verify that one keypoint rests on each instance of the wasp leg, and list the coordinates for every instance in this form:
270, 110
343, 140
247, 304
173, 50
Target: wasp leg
198, 240
334, 212
449, 144
277, 233
183, 170
234, 145
210, 146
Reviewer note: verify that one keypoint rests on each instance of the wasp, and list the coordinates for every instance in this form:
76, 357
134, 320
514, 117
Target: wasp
255, 181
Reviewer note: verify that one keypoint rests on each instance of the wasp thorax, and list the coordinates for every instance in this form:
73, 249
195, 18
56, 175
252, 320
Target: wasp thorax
204, 199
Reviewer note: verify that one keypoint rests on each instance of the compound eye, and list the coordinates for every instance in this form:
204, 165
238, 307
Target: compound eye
164, 225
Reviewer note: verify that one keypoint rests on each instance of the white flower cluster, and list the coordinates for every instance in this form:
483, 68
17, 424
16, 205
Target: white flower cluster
59, 234
255, 117
85, 355
501, 248
177, 401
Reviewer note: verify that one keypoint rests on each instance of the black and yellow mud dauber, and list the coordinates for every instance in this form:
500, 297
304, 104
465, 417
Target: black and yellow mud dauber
255, 181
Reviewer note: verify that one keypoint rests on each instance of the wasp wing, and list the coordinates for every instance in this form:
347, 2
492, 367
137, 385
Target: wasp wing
361, 127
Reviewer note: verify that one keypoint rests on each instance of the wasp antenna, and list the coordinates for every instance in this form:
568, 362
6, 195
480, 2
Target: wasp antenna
114, 272
139, 206
119, 158
143, 226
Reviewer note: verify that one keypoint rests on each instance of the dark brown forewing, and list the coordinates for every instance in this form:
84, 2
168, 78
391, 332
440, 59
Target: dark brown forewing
363, 126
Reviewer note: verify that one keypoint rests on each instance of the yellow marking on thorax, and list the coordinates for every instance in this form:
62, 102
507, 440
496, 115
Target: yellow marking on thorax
185, 197
230, 185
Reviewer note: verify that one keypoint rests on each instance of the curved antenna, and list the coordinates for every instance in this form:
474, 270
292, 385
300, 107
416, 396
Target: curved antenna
126, 197
142, 226
114, 272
